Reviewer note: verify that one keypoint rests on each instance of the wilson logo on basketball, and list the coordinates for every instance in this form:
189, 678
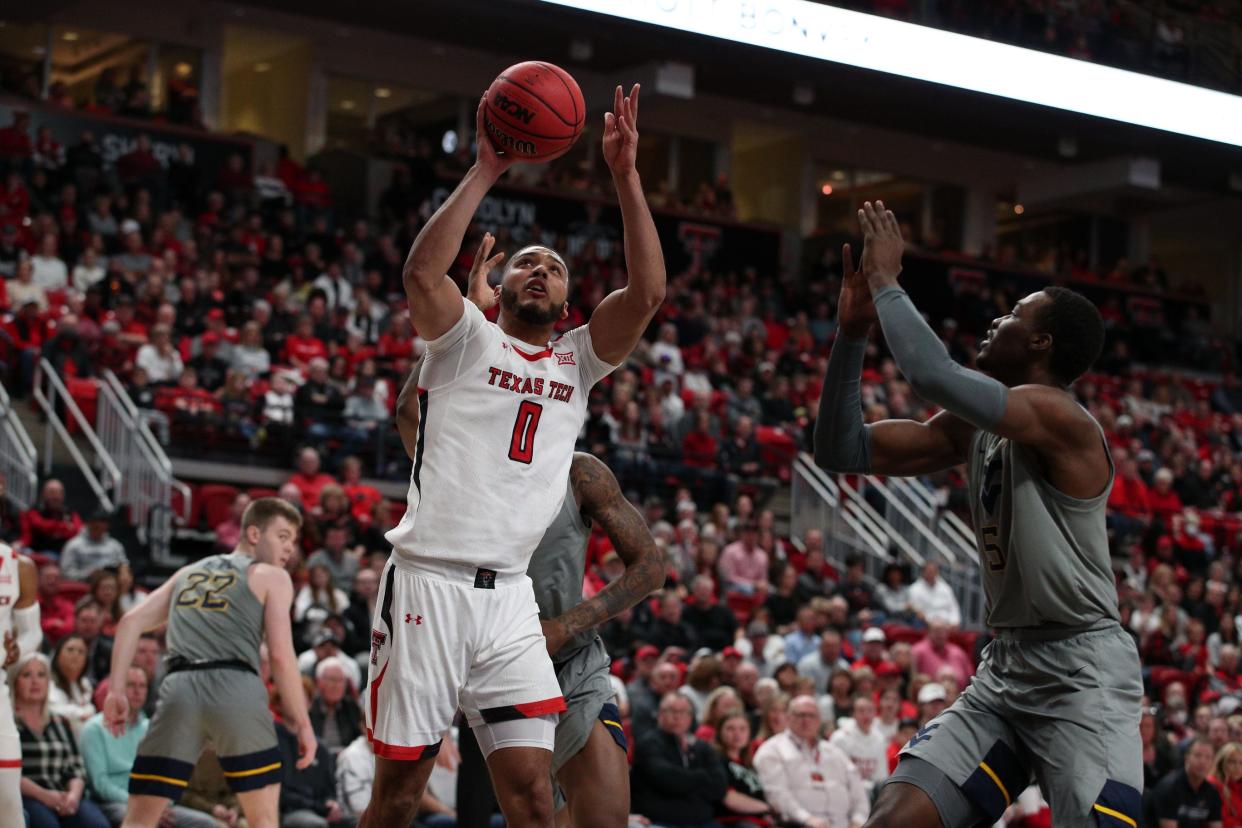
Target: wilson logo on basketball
511, 107
505, 141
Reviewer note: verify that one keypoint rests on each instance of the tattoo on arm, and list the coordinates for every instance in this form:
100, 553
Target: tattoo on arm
600, 499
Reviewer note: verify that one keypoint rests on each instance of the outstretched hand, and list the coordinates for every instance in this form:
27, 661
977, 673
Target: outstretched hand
487, 157
883, 245
855, 310
621, 133
478, 291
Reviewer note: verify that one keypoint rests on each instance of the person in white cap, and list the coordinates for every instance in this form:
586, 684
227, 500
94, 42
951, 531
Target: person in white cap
932, 700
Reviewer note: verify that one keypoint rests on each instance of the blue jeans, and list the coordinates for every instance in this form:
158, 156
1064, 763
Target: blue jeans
41, 816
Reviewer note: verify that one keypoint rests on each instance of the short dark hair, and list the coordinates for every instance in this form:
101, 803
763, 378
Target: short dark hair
1077, 332
266, 509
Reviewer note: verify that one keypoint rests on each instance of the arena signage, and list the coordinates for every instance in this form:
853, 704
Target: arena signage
588, 228
115, 137
813, 30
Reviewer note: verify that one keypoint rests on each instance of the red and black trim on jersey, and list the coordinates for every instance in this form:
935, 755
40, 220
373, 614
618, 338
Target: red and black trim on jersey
529, 710
423, 396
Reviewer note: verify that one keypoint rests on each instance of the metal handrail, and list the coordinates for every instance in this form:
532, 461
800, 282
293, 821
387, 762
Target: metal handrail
148, 482
19, 460
106, 481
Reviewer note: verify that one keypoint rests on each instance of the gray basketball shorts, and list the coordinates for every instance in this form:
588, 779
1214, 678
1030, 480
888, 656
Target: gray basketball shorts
229, 707
588, 696
1065, 710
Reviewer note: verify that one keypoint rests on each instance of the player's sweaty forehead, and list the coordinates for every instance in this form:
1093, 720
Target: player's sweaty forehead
540, 252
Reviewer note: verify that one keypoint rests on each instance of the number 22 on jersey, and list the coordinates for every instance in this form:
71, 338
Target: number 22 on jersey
202, 591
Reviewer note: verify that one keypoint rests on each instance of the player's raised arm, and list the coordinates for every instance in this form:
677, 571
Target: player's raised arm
600, 499
150, 613
435, 300
843, 443
621, 318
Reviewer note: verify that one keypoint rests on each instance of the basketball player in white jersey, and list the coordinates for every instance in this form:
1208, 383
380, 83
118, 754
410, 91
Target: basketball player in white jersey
19, 619
501, 407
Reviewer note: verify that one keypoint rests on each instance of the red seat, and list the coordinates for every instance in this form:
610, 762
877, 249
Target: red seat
216, 499
257, 492
84, 392
741, 606
900, 632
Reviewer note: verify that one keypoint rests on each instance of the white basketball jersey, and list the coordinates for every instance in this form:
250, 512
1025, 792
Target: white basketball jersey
499, 422
10, 591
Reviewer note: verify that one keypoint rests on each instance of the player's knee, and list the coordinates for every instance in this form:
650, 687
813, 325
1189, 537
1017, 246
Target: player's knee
601, 814
528, 800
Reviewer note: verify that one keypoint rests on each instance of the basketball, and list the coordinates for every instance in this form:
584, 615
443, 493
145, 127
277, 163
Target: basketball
534, 110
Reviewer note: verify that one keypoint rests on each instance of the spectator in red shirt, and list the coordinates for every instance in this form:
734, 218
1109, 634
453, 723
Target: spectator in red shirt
302, 345
1163, 500
14, 200
1194, 653
16, 146
139, 166
48, 526
1228, 782
699, 447
309, 479
362, 498
1129, 504
55, 610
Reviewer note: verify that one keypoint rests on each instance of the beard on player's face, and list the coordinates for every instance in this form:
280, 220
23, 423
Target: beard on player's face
532, 311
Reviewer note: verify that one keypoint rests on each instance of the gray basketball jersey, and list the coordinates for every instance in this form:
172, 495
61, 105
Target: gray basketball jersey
213, 615
557, 568
1043, 555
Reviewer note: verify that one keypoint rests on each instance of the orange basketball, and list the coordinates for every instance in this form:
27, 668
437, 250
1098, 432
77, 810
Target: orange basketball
534, 110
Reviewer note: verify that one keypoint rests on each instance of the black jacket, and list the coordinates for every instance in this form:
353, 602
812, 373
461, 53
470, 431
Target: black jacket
715, 624
347, 716
672, 789
304, 790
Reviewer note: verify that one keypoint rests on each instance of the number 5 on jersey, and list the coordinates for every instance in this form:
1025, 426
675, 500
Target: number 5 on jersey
522, 446
991, 549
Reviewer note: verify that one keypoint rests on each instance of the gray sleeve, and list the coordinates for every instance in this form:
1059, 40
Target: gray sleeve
976, 398
842, 442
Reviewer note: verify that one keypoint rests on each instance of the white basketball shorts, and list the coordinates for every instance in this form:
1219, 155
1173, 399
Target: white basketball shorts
446, 636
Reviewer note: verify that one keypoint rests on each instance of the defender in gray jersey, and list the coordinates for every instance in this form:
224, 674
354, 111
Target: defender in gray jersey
1057, 692
217, 611
589, 755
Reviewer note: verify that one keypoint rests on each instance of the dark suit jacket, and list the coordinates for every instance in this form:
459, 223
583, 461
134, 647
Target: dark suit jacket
670, 788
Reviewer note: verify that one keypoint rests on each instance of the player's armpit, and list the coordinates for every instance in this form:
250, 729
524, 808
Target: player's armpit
1046, 418
907, 447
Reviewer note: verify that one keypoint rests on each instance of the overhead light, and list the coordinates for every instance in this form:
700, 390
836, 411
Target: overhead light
1018, 209
347, 104
581, 49
803, 94
448, 142
69, 36
263, 66
826, 189
383, 92
838, 175
183, 69
37, 50
1067, 146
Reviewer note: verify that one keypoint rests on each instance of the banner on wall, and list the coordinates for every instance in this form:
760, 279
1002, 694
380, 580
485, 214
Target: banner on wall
592, 228
117, 136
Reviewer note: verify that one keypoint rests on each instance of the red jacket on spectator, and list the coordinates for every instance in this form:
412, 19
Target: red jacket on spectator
1130, 497
55, 616
302, 350
48, 531
362, 500
15, 142
1163, 506
1230, 802
310, 487
699, 450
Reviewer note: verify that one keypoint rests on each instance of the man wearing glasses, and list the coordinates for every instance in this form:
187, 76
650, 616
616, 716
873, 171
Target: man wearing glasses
807, 779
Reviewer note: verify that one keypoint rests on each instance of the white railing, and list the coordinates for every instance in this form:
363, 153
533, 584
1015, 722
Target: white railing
104, 476
912, 528
147, 483
19, 460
